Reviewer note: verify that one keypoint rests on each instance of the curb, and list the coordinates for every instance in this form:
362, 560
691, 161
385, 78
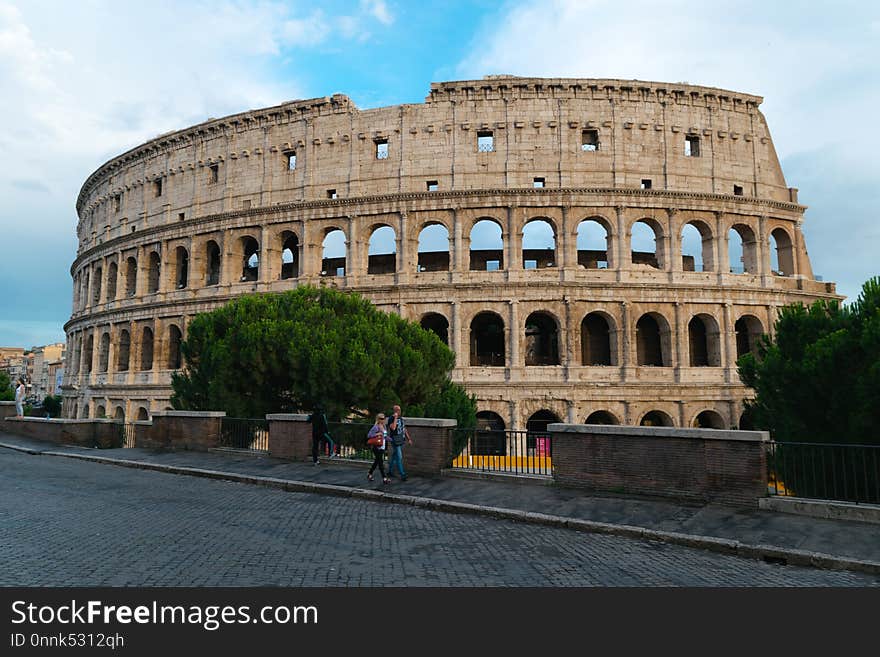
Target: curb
768, 553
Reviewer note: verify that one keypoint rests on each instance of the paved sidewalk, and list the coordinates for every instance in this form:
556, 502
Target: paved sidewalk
798, 540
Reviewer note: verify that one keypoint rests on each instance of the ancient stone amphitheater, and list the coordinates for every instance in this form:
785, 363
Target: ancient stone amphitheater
539, 226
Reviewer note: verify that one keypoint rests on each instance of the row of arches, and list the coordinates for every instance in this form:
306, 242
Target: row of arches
132, 351
488, 247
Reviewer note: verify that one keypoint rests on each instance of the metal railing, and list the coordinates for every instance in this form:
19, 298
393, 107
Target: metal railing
349, 441
244, 433
824, 471
512, 452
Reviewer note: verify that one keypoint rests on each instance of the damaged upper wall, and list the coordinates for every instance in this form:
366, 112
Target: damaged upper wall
497, 133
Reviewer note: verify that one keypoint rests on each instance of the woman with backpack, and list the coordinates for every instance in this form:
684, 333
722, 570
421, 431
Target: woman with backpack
376, 439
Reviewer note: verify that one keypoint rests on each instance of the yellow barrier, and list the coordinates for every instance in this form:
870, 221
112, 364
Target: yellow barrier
505, 463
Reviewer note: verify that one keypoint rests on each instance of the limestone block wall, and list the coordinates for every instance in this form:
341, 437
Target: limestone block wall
245, 204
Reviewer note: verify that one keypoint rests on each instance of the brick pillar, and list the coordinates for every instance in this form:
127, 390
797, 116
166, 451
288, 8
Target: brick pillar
195, 430
290, 436
431, 451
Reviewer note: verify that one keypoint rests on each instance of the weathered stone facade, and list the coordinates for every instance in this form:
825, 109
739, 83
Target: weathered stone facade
241, 204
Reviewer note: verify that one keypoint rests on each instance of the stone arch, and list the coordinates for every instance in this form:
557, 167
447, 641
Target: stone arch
131, 272
538, 421
86, 288
123, 351
289, 255
112, 277
653, 340
697, 242
143, 414
781, 253
433, 249
656, 418
488, 234
88, 352
539, 243
381, 260
119, 414
704, 341
601, 417
438, 324
175, 337
104, 353
490, 438
487, 340
595, 243
181, 267
748, 329
146, 349
708, 419
96, 285
541, 339
646, 243
154, 272
250, 258
212, 263
100, 411
596, 340
742, 249
334, 243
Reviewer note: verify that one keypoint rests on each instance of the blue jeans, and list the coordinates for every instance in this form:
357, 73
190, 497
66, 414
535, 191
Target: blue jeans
396, 458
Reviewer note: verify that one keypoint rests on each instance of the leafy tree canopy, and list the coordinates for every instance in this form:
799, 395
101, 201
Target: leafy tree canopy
453, 402
819, 379
7, 391
306, 348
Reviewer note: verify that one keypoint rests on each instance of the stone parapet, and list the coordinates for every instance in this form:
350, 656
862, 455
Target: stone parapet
195, 430
85, 433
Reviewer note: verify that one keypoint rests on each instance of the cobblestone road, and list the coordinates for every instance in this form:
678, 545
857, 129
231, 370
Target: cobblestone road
75, 523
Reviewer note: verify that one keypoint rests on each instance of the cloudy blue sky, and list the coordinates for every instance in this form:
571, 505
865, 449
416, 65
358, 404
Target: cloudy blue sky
84, 80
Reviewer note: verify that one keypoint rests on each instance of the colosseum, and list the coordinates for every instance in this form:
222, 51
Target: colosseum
591, 250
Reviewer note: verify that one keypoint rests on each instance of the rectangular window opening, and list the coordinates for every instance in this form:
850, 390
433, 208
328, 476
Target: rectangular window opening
246, 204
646, 183
737, 190
331, 193
381, 149
538, 183
485, 141
157, 187
291, 161
432, 185
692, 146
590, 140
181, 216
117, 203
215, 173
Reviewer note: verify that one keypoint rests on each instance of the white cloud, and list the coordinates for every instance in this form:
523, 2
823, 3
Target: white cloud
379, 10
818, 68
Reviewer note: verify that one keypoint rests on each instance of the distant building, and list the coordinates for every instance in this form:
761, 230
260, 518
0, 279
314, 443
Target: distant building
14, 362
41, 380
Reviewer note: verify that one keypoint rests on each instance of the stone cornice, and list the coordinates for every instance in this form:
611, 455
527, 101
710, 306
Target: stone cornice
564, 194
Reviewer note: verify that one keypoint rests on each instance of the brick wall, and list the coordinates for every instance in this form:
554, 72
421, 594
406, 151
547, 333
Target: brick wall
290, 436
7, 409
195, 430
727, 467
87, 433
431, 450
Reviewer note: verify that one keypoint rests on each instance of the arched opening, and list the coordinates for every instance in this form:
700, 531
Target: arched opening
538, 245
104, 353
709, 420
650, 347
434, 248
212, 261
748, 330
382, 253
289, 256
645, 244
781, 253
96, 285
86, 411
595, 340
88, 352
147, 349
487, 246
154, 272
696, 247
438, 324
537, 438
656, 419
542, 340
333, 254
119, 414
487, 340
143, 414
131, 272
250, 249
489, 438
100, 411
704, 341
112, 275
123, 351
601, 417
594, 244
175, 337
181, 262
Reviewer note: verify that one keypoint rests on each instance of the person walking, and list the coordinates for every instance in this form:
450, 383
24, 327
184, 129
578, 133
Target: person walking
398, 435
379, 433
320, 431
19, 398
